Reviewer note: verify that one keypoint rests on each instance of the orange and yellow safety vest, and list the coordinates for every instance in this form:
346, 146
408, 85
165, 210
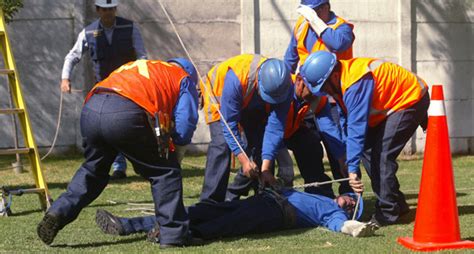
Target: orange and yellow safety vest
395, 87
293, 121
300, 32
245, 67
153, 85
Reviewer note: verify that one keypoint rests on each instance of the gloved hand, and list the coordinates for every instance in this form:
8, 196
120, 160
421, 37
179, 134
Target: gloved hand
313, 19
357, 229
180, 151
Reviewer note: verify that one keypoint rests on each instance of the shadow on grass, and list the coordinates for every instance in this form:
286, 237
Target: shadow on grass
23, 213
464, 210
99, 244
262, 235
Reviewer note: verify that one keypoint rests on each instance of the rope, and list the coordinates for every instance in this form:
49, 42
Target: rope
316, 184
58, 124
357, 206
200, 78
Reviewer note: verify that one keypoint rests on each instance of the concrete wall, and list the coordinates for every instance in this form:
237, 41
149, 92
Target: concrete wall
43, 32
431, 37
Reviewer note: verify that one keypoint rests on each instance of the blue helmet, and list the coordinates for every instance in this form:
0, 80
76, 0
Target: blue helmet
187, 66
360, 210
274, 81
316, 70
313, 3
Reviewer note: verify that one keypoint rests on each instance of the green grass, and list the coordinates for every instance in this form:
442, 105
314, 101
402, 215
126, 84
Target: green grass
18, 233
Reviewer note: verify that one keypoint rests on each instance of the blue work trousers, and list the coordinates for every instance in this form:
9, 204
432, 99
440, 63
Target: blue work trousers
384, 143
253, 122
217, 171
308, 152
257, 214
111, 124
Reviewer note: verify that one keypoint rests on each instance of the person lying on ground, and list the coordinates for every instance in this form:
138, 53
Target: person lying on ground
268, 211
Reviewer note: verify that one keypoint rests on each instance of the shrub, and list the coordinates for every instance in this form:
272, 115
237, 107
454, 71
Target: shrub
10, 7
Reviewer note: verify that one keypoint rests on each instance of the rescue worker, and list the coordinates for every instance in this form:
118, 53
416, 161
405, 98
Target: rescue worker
138, 110
112, 41
251, 91
299, 137
318, 28
289, 210
384, 104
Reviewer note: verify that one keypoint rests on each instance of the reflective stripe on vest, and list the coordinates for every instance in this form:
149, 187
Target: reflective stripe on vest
300, 33
245, 67
395, 88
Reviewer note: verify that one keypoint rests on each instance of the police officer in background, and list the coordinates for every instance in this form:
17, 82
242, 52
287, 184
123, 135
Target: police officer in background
138, 110
112, 41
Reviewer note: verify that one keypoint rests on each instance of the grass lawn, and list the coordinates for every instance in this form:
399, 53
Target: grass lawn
83, 236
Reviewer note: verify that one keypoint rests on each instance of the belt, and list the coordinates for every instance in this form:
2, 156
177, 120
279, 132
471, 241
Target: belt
105, 91
289, 212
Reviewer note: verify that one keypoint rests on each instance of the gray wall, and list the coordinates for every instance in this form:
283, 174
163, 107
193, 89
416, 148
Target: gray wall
431, 37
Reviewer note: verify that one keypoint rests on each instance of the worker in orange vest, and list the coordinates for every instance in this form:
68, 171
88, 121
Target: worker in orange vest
253, 92
299, 135
318, 28
383, 105
146, 110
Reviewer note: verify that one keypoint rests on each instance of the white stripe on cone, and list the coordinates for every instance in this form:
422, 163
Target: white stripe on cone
437, 108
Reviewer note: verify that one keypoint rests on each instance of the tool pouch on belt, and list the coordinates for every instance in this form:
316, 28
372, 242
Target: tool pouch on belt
162, 126
289, 213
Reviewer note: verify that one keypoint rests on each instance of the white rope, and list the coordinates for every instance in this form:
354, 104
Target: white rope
200, 78
357, 206
316, 184
58, 124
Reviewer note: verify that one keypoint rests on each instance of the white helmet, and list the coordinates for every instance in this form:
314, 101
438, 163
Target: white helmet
106, 3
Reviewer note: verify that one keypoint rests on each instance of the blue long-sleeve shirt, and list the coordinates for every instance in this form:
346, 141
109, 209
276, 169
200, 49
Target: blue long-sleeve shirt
358, 100
231, 107
316, 210
336, 40
185, 113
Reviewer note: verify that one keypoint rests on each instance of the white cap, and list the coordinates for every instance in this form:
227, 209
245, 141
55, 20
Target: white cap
106, 3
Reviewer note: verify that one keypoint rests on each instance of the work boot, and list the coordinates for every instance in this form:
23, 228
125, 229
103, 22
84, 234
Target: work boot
48, 228
109, 223
358, 229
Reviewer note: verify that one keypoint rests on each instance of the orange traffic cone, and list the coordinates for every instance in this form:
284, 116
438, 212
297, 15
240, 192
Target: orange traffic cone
436, 223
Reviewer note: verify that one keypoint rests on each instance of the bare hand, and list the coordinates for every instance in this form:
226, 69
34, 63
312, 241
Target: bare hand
267, 178
356, 183
249, 169
65, 86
